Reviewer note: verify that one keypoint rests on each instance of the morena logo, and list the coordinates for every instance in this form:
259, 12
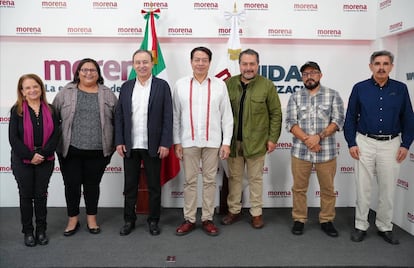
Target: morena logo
161, 5
279, 194
355, 8
385, 4
329, 33
318, 193
79, 30
305, 7
180, 31
402, 183
347, 169
256, 6
28, 30
105, 5
411, 157
54, 4
8, 4
202, 5
110, 169
284, 145
279, 32
4, 120
265, 170
129, 31
227, 31
4, 169
396, 26
63, 69
177, 194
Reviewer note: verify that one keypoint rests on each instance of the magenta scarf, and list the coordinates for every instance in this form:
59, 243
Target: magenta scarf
28, 128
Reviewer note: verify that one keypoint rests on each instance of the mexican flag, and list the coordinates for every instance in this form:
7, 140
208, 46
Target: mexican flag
150, 42
229, 64
170, 166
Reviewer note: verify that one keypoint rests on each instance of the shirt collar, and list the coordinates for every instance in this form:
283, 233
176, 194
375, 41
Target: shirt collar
146, 83
375, 83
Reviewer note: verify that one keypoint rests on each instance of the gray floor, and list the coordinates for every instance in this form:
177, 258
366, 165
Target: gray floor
238, 245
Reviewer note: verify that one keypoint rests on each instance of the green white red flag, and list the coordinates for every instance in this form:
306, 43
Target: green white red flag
170, 166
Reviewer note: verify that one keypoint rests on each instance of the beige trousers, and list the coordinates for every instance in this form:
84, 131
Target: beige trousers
209, 162
325, 172
254, 167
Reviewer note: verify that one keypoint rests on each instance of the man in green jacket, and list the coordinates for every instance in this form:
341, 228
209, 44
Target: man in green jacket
257, 118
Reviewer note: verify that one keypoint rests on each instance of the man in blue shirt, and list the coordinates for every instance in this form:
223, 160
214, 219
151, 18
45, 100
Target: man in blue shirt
379, 131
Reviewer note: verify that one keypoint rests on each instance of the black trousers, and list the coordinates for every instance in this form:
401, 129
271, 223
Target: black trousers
132, 169
82, 168
32, 181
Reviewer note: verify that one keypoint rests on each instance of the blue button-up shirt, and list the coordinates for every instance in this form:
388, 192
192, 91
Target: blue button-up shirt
377, 110
313, 113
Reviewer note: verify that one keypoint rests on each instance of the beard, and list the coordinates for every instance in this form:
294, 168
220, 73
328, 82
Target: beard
311, 86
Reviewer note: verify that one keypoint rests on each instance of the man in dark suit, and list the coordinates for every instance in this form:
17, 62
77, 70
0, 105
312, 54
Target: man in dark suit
143, 132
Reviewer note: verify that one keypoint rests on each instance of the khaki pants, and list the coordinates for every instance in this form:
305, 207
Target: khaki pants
191, 160
325, 172
254, 167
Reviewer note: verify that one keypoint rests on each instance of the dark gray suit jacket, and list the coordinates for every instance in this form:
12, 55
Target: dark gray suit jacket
160, 116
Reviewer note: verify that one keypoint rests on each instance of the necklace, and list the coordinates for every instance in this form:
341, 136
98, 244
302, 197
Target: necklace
36, 112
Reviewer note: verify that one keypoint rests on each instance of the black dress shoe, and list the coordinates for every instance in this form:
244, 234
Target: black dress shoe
41, 238
329, 229
127, 228
153, 228
96, 230
73, 231
29, 240
389, 237
358, 235
297, 228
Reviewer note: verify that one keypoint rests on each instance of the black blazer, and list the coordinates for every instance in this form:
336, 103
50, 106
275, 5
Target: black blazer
160, 116
19, 150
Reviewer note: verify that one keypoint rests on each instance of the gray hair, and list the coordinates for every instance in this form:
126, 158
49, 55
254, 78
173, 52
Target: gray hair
382, 53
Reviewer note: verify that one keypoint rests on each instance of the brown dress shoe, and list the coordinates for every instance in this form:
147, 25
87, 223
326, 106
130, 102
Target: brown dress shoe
185, 228
230, 218
210, 228
257, 222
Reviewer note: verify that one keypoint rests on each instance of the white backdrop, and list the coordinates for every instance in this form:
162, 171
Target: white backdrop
343, 59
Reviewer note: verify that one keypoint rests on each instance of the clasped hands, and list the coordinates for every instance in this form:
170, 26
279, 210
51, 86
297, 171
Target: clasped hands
312, 142
37, 159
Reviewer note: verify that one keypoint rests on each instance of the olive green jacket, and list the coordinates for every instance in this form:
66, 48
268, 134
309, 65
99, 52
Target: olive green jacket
262, 115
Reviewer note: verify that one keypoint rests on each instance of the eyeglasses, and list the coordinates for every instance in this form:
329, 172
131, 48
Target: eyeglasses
86, 70
313, 73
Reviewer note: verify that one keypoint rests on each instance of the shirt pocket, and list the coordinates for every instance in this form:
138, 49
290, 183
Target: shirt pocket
324, 111
258, 104
303, 112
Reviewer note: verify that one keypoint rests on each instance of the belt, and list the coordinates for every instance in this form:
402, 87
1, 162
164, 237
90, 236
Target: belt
381, 137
